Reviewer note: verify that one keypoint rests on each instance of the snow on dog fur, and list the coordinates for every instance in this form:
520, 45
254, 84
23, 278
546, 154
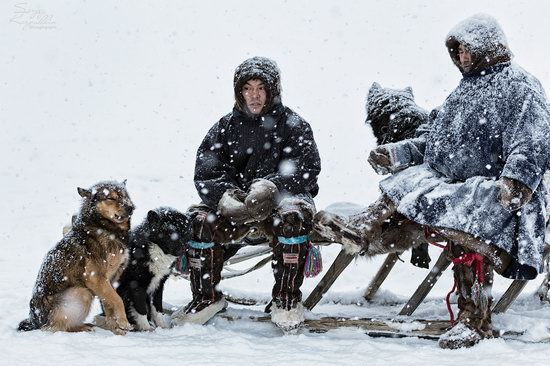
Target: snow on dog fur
85, 263
154, 247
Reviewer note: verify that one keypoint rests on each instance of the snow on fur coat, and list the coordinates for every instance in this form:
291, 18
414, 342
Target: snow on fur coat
496, 123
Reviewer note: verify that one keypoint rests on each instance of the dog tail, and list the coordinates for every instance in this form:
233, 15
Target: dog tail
26, 325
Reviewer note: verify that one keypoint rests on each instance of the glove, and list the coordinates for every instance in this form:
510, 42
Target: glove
513, 194
254, 206
380, 160
232, 207
261, 199
294, 217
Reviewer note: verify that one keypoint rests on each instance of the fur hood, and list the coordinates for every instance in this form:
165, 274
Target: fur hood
261, 68
393, 114
483, 38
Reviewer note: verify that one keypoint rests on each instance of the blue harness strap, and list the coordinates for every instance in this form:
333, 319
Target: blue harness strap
199, 245
293, 240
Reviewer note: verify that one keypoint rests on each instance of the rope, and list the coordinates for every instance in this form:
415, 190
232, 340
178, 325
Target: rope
469, 259
448, 300
427, 234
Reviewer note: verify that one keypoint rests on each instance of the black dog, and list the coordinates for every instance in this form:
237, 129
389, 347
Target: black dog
154, 247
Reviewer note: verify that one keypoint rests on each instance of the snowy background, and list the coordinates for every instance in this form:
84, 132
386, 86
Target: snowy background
95, 90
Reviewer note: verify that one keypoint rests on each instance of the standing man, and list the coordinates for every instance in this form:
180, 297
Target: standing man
256, 170
475, 176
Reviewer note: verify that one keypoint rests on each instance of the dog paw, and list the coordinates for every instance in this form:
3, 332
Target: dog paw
118, 326
144, 328
142, 324
87, 327
158, 319
123, 324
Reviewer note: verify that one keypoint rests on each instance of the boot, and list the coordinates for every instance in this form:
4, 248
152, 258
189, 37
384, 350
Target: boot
289, 257
474, 302
205, 267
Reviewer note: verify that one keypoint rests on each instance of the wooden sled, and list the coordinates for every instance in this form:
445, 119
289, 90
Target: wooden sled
344, 259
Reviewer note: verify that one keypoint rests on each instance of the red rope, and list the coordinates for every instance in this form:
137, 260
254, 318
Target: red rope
427, 234
448, 300
467, 259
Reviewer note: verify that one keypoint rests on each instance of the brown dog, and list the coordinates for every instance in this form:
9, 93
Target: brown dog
84, 264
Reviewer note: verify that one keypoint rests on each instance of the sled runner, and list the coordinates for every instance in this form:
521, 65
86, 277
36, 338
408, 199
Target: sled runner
387, 328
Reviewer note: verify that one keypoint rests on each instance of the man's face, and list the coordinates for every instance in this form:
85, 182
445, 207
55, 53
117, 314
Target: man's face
255, 95
465, 58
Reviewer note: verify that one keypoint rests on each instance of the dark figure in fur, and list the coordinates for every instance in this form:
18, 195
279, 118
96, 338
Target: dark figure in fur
475, 176
84, 264
154, 247
392, 114
257, 166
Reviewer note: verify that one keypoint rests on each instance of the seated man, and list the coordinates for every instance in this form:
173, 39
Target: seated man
256, 168
475, 176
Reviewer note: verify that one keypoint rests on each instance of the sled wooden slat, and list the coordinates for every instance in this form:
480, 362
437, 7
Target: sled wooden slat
425, 287
381, 275
230, 273
428, 328
431, 329
253, 252
509, 296
542, 291
340, 263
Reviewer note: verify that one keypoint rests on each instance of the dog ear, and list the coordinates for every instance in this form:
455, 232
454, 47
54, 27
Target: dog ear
84, 193
152, 216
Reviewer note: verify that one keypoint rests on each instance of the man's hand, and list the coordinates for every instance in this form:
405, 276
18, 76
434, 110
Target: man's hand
380, 160
293, 217
261, 199
513, 194
232, 207
254, 206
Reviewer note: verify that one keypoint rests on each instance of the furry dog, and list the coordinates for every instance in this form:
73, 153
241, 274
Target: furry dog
154, 247
84, 264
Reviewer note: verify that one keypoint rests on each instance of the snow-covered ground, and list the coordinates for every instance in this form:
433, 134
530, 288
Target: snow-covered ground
95, 90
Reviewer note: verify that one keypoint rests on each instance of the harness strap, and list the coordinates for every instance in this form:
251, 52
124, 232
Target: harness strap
427, 234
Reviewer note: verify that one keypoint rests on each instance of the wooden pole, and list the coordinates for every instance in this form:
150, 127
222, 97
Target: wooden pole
425, 287
509, 296
340, 263
381, 275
